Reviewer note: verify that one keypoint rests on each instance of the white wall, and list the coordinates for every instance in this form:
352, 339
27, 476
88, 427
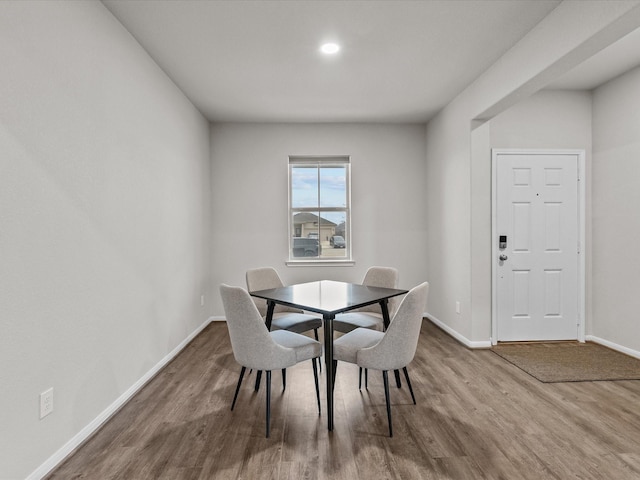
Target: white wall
448, 202
547, 119
249, 190
104, 221
567, 36
616, 200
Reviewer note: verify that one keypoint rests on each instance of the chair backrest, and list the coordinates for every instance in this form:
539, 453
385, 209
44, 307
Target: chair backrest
262, 279
251, 342
386, 277
398, 346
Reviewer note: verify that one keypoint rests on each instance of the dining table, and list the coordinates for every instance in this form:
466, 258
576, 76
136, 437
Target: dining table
328, 298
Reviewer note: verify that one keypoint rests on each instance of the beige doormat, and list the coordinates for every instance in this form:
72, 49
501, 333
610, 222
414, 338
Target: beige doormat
570, 361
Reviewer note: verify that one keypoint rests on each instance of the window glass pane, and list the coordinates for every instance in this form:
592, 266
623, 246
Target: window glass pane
333, 187
304, 186
334, 242
306, 231
319, 235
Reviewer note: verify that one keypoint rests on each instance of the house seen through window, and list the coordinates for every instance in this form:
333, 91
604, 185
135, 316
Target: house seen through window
319, 208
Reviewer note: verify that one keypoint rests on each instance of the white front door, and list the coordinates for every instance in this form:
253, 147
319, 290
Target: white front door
536, 245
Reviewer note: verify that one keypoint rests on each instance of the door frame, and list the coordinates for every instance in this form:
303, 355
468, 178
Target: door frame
495, 152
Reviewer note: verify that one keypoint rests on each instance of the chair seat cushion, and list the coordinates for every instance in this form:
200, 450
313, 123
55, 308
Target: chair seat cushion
346, 347
305, 348
346, 322
295, 322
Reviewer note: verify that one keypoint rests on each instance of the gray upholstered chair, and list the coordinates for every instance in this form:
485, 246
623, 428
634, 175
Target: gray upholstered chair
389, 350
371, 315
255, 347
284, 318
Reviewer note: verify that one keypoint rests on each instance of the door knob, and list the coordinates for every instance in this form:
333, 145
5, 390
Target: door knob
503, 257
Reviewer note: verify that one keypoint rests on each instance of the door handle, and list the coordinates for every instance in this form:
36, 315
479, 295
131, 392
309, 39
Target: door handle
503, 257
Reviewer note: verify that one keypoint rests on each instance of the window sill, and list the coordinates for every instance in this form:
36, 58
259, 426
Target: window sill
320, 263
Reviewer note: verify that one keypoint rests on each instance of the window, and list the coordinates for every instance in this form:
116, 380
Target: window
319, 209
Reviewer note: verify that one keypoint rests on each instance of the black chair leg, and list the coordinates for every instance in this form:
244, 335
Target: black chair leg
385, 377
398, 382
366, 378
235, 397
406, 376
268, 400
315, 333
284, 379
315, 377
258, 377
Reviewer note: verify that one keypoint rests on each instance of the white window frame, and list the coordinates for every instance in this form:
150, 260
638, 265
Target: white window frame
320, 161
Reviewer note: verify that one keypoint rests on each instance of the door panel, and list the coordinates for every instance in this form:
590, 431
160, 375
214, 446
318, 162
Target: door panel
537, 280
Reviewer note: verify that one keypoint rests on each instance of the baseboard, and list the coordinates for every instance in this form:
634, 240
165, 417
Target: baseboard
613, 346
218, 318
487, 344
87, 431
460, 338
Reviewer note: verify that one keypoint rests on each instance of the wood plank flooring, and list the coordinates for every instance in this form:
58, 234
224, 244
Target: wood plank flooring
478, 417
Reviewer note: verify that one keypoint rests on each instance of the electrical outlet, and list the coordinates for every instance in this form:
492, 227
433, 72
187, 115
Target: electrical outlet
46, 403
202, 300
458, 308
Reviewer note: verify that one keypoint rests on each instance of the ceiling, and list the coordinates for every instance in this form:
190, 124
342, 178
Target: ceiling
401, 61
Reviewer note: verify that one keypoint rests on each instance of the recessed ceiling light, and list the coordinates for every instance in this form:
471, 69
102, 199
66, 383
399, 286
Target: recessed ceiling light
330, 48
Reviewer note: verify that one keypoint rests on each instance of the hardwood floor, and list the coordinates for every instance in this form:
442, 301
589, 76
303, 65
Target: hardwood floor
478, 417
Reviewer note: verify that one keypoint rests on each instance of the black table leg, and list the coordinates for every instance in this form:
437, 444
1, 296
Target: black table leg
328, 359
386, 320
385, 313
269, 318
